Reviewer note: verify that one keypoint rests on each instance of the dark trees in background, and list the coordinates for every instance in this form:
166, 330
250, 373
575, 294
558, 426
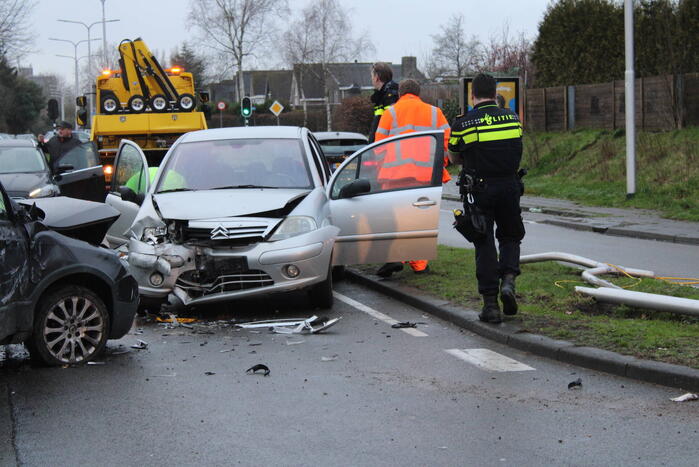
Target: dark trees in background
582, 41
355, 114
20, 100
187, 58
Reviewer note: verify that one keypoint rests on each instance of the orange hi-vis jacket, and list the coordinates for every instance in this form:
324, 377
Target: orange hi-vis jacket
410, 114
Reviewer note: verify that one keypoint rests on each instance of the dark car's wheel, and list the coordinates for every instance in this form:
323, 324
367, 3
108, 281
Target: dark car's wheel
70, 326
321, 295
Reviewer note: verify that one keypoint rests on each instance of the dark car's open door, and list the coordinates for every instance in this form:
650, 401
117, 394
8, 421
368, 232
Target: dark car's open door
85, 180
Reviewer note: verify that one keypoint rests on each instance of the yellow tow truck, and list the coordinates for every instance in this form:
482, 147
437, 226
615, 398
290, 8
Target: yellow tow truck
144, 103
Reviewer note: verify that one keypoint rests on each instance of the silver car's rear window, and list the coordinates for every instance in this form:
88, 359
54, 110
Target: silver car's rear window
219, 164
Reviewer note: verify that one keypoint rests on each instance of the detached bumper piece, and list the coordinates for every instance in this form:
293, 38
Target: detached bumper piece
312, 325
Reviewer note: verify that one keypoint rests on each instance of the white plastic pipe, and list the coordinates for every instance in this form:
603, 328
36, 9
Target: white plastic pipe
685, 306
611, 293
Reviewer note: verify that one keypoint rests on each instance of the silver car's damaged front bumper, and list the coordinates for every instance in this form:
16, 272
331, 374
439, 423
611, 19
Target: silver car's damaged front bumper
199, 274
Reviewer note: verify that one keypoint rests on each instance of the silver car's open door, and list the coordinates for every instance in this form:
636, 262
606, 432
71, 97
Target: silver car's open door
130, 184
385, 199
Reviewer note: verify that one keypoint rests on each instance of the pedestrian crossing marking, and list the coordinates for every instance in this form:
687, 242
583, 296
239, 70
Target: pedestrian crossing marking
377, 314
488, 360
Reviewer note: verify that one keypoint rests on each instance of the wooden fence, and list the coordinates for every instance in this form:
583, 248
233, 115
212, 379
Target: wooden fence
662, 102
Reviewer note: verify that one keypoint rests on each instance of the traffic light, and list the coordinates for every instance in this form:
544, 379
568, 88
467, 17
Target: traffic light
53, 109
246, 107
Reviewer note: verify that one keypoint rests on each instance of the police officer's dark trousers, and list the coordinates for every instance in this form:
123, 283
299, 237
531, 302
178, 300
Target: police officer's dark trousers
498, 200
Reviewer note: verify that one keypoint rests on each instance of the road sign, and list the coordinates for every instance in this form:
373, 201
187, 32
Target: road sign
221, 105
276, 108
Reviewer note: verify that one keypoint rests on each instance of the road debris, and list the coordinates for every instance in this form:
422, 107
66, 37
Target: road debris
226, 350
577, 384
404, 324
259, 367
175, 319
290, 342
686, 397
312, 325
209, 373
96, 363
329, 359
140, 345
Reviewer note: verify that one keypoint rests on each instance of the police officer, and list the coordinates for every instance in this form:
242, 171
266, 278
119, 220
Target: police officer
59, 145
488, 142
385, 94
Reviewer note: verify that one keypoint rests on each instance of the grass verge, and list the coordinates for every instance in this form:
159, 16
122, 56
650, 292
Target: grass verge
589, 166
549, 306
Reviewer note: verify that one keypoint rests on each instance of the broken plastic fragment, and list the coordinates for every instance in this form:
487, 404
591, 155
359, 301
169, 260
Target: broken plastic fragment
140, 345
258, 367
686, 397
96, 363
329, 359
295, 342
404, 324
174, 318
209, 373
293, 326
577, 384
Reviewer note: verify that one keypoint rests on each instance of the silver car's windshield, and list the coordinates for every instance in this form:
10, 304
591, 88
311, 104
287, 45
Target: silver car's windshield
236, 163
21, 160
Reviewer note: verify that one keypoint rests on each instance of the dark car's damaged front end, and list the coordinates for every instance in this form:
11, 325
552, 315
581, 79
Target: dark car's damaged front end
62, 296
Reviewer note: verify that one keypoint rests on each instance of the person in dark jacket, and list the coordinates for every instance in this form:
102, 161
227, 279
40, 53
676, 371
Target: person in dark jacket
59, 145
385, 94
488, 142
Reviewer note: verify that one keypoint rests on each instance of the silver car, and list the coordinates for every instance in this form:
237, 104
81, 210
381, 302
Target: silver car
240, 212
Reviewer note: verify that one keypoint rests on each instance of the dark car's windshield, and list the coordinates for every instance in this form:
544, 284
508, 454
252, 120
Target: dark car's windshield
21, 160
236, 163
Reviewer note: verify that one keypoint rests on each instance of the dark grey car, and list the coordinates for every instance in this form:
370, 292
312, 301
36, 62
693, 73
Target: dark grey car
60, 295
25, 173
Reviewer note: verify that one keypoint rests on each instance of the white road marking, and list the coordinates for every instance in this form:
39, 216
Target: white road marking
377, 314
488, 360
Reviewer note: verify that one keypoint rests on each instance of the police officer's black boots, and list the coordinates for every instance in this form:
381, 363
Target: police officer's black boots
491, 310
507, 295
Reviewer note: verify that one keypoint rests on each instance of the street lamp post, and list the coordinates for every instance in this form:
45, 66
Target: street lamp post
104, 35
89, 48
74, 57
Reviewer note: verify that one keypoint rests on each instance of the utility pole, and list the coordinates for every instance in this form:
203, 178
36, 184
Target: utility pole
630, 98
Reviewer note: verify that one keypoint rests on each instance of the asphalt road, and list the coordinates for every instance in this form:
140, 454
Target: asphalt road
665, 259
361, 394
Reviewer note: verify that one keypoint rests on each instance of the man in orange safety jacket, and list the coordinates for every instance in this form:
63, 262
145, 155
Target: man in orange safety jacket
410, 114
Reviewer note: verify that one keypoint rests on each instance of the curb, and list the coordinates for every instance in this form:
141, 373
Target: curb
601, 230
665, 374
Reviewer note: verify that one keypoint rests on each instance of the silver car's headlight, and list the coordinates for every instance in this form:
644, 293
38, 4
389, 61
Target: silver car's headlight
293, 226
44, 191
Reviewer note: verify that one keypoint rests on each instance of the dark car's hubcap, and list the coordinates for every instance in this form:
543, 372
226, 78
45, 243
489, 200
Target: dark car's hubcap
74, 328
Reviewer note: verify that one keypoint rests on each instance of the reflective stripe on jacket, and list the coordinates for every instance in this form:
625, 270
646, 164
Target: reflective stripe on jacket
489, 139
410, 114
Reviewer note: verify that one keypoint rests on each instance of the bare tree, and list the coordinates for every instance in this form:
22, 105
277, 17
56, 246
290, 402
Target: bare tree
321, 35
452, 51
507, 54
15, 36
237, 29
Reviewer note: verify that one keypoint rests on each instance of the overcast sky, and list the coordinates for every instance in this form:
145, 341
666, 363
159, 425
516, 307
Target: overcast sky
396, 27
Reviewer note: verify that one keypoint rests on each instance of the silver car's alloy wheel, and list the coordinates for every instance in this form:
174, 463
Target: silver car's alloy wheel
74, 329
